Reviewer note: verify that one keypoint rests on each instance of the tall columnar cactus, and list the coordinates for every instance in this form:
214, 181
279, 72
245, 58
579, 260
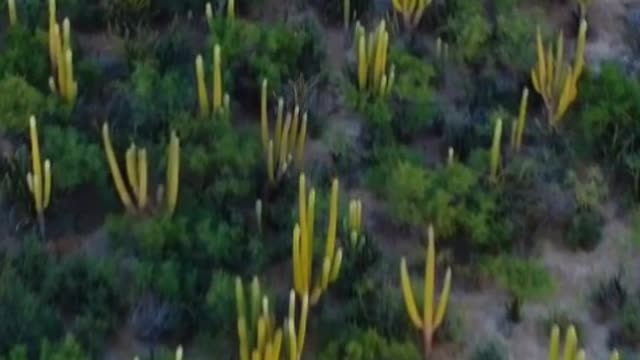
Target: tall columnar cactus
554, 78
208, 10
137, 173
39, 180
13, 14
431, 318
495, 151
289, 140
411, 10
517, 130
220, 99
258, 336
303, 238
231, 9
570, 350
371, 55
296, 337
62, 82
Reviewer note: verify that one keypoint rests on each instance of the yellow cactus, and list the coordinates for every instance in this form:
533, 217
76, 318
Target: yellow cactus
203, 98
411, 10
38, 180
220, 99
63, 83
371, 55
217, 79
355, 216
517, 130
13, 15
257, 334
231, 9
137, 173
554, 79
296, 339
570, 350
303, 237
614, 355
289, 139
208, 10
431, 318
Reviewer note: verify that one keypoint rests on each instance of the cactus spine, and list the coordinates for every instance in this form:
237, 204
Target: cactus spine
431, 319
517, 131
495, 151
13, 15
554, 79
303, 237
137, 173
62, 82
411, 10
38, 180
372, 57
257, 334
289, 140
570, 350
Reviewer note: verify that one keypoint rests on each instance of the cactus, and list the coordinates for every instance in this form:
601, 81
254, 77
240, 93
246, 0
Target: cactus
303, 237
554, 79
451, 156
13, 15
137, 173
39, 180
411, 10
495, 151
346, 13
371, 58
431, 319
614, 355
231, 10
295, 339
220, 99
289, 140
354, 225
208, 10
517, 130
259, 214
570, 350
61, 58
257, 334
583, 5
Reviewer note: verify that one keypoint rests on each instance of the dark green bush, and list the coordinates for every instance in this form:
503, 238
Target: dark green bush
585, 231
19, 101
25, 55
609, 296
68, 349
369, 345
525, 279
491, 350
626, 331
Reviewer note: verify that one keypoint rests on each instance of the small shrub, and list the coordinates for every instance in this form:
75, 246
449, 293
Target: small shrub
369, 345
491, 350
585, 231
18, 102
23, 54
563, 319
626, 331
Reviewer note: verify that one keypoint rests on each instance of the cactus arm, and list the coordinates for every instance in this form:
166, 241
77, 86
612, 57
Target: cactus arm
242, 321
297, 266
407, 294
47, 183
554, 343
208, 10
581, 355
295, 126
301, 142
115, 170
429, 282
335, 268
264, 121
444, 300
13, 16
579, 56
279, 123
284, 145
333, 222
142, 178
614, 355
559, 58
565, 98
132, 169
173, 172
256, 297
522, 118
277, 345
203, 97
570, 344
217, 79
304, 234
495, 151
311, 213
36, 165
60, 60
70, 83
271, 163
362, 59
302, 327
542, 68
293, 347
231, 9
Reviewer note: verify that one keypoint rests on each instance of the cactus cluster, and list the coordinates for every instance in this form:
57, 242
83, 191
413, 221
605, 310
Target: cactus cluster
288, 142
219, 98
303, 244
570, 351
137, 174
411, 10
517, 129
555, 79
371, 53
39, 178
62, 82
430, 320
231, 12
495, 151
354, 224
13, 14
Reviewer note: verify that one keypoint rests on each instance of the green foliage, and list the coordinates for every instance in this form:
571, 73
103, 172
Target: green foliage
73, 158
18, 102
220, 312
369, 345
515, 36
525, 279
68, 349
470, 28
491, 350
23, 54
585, 230
626, 330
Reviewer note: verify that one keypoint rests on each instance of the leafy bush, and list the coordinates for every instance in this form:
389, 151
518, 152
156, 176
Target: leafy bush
525, 279
23, 54
68, 349
471, 29
19, 101
369, 345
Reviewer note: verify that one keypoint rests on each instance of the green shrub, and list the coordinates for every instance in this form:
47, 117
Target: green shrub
68, 349
24, 55
526, 280
471, 30
18, 102
369, 345
626, 331
609, 296
585, 230
491, 350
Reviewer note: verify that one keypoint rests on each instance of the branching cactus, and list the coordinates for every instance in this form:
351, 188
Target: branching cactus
62, 82
517, 130
39, 178
554, 78
411, 10
289, 139
13, 14
259, 338
220, 99
296, 337
371, 55
432, 317
495, 151
135, 197
303, 238
570, 350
